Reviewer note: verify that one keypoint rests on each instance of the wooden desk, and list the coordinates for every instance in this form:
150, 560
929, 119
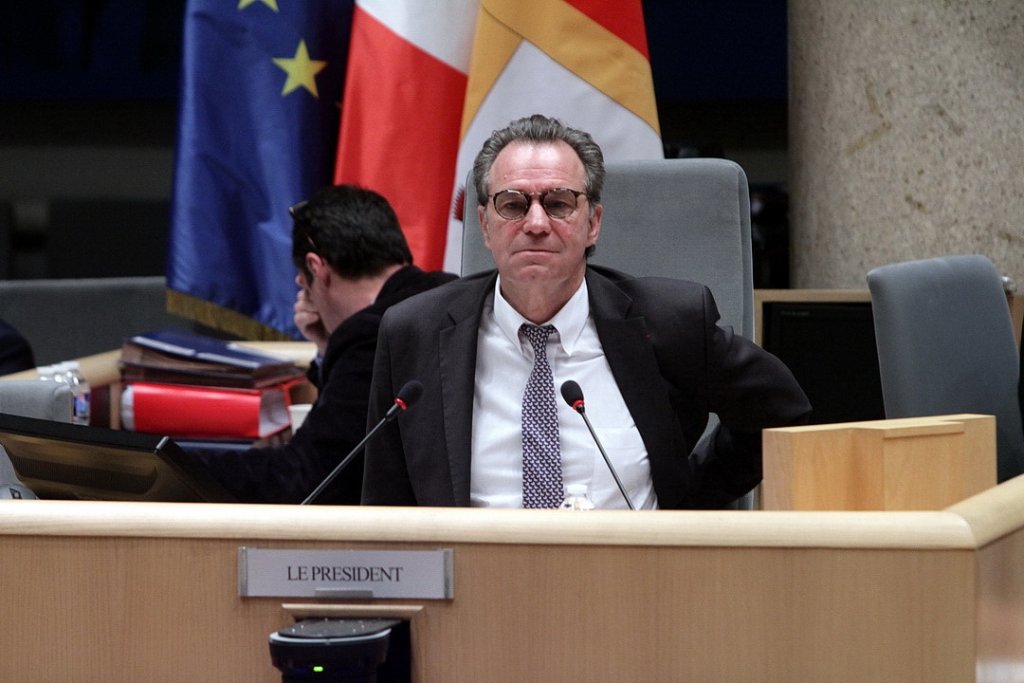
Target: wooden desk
1014, 300
99, 369
102, 373
135, 591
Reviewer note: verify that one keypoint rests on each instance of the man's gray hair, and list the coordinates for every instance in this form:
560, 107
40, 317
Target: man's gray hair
540, 129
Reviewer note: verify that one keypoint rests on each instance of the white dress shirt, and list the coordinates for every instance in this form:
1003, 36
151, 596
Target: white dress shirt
503, 365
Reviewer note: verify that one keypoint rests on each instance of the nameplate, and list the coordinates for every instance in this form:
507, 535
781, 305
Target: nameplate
345, 574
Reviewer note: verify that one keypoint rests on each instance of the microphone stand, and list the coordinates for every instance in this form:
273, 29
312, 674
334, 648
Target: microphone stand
579, 408
392, 413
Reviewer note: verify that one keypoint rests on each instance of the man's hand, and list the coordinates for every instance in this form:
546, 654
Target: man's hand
308, 320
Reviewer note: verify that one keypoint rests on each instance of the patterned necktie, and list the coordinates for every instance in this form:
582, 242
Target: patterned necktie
542, 462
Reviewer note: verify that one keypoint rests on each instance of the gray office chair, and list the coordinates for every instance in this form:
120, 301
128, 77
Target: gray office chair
682, 218
71, 318
946, 345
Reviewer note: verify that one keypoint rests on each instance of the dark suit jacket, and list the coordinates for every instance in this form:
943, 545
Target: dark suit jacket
289, 472
673, 364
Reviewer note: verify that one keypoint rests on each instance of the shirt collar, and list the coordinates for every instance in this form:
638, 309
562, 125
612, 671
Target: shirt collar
569, 320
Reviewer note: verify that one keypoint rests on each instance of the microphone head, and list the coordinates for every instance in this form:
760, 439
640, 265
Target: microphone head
409, 394
573, 395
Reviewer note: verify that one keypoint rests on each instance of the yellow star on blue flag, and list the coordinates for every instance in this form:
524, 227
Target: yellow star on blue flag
246, 152
272, 4
301, 70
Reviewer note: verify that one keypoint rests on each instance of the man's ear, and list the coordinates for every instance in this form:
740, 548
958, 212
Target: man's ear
316, 266
481, 214
594, 225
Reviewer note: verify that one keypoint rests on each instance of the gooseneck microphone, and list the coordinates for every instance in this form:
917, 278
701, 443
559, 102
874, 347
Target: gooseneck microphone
573, 395
407, 395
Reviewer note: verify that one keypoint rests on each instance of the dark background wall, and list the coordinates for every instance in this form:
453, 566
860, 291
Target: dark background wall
88, 93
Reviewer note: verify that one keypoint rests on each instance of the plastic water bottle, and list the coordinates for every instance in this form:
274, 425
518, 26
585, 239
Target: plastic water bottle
576, 498
81, 393
46, 373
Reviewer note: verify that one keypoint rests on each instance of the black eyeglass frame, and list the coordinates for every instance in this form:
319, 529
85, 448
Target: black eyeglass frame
294, 209
541, 196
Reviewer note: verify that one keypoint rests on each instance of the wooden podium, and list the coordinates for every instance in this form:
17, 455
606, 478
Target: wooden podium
920, 463
145, 591
142, 591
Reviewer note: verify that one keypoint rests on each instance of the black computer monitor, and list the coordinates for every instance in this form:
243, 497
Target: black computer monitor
830, 348
60, 460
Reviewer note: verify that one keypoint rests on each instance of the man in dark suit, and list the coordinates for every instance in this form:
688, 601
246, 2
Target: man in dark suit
353, 263
648, 351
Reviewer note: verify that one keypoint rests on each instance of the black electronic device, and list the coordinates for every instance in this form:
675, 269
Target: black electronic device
60, 460
830, 348
332, 650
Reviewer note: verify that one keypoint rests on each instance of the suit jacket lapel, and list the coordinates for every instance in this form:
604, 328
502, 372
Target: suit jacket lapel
630, 354
458, 343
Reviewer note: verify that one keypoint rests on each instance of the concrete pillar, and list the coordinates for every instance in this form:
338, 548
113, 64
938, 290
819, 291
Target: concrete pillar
906, 135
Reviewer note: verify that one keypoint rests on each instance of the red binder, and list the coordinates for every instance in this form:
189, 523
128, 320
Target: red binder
198, 411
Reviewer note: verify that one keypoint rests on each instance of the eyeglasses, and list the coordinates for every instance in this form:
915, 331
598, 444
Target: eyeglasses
560, 202
298, 206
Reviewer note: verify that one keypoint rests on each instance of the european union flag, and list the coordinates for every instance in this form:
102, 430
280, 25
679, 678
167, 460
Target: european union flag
261, 84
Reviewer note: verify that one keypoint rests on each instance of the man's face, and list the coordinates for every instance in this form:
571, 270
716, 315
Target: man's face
538, 248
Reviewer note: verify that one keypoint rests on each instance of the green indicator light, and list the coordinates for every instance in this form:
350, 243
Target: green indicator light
318, 669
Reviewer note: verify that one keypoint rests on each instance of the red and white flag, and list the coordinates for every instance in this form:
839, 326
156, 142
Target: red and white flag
402, 108
429, 80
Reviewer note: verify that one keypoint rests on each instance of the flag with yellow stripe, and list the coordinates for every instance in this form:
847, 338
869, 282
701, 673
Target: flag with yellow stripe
583, 61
